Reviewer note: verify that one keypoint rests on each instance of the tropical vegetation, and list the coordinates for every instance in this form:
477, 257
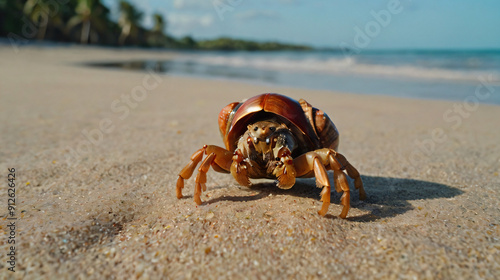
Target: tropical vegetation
90, 22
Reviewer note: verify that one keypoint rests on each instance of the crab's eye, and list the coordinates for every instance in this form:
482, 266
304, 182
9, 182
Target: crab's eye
272, 128
256, 128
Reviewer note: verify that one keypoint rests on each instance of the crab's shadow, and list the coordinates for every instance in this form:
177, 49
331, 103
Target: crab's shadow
386, 197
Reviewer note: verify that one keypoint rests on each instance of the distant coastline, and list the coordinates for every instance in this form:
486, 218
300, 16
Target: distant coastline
427, 75
90, 22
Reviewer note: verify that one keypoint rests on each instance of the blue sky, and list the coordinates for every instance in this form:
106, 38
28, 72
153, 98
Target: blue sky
403, 24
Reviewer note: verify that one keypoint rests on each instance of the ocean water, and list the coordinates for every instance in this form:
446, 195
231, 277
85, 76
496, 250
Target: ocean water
464, 76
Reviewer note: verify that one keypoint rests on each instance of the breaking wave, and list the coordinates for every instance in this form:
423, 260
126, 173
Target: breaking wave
339, 64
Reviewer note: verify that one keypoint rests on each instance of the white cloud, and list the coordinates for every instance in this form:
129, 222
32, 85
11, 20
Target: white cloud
193, 4
289, 2
257, 15
181, 24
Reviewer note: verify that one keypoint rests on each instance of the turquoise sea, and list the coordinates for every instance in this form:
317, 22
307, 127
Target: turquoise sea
468, 76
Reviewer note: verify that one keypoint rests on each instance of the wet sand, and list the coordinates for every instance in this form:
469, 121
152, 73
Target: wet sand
96, 154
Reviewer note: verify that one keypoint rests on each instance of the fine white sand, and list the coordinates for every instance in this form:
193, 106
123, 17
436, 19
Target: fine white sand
108, 209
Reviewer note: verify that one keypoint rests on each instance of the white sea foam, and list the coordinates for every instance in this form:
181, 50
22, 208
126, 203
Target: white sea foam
337, 65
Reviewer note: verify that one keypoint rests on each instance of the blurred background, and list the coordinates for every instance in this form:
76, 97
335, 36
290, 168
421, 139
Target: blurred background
419, 49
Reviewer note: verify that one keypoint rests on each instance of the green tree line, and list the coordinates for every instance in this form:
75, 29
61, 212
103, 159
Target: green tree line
89, 22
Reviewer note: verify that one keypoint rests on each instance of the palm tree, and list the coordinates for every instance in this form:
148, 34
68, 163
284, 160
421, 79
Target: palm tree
39, 12
11, 14
129, 21
88, 13
159, 24
156, 37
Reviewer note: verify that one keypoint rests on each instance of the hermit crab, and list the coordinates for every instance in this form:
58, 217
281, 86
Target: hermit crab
273, 136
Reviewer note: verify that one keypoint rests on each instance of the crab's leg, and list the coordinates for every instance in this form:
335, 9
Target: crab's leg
188, 170
337, 162
201, 178
305, 164
353, 173
219, 158
340, 184
309, 163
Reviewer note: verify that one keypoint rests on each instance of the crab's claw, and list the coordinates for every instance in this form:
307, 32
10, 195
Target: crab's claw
284, 169
239, 169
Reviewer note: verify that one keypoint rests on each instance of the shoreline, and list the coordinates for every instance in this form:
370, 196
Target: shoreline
111, 211
481, 89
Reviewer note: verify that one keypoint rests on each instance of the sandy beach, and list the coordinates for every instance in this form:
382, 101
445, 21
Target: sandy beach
96, 154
